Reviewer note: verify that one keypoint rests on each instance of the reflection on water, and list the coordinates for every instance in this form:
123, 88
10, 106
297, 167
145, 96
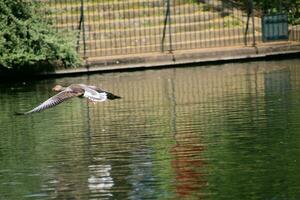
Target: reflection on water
218, 132
100, 180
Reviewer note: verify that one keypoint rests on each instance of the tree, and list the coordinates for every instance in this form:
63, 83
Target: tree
27, 37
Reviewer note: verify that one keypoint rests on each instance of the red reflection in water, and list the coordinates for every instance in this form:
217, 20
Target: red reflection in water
187, 165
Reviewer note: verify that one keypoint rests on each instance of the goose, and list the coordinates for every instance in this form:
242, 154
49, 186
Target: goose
91, 92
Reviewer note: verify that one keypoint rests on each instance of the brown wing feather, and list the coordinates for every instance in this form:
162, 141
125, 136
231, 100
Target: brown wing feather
53, 101
95, 88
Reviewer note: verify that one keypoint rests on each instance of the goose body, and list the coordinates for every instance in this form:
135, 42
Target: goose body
92, 93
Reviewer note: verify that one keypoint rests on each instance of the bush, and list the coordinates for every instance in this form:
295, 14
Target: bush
290, 7
27, 38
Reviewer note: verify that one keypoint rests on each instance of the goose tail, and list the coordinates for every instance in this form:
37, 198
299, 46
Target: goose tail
111, 96
20, 113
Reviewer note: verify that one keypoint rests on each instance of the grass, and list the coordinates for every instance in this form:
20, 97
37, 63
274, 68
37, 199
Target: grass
231, 21
144, 15
131, 3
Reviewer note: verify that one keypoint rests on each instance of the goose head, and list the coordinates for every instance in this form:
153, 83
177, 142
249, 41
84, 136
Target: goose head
58, 88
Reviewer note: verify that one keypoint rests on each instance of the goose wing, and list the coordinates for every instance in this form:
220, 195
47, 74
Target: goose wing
53, 101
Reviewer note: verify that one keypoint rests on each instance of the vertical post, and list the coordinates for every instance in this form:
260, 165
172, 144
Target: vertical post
249, 13
170, 34
81, 27
253, 25
166, 20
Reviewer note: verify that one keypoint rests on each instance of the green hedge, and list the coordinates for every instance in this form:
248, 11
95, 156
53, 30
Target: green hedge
27, 38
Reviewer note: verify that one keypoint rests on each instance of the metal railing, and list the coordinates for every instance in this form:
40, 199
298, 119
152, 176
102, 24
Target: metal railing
122, 27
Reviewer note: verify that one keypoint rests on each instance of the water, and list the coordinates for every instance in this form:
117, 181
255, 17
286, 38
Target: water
219, 132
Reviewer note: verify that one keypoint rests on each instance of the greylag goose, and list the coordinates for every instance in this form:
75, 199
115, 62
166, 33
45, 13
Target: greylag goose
92, 93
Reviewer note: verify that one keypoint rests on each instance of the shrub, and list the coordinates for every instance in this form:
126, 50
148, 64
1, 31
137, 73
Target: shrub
27, 37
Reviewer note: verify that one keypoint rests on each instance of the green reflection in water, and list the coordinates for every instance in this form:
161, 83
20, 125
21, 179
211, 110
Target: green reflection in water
221, 132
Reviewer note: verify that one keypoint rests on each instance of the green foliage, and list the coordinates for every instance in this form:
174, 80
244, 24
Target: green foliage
291, 7
27, 38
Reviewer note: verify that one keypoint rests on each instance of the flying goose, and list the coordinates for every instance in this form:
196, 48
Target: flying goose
92, 93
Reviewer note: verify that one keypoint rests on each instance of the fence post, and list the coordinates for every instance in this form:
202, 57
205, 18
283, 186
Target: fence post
253, 24
250, 12
81, 27
166, 20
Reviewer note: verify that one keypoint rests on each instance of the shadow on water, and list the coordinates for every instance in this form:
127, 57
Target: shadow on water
221, 132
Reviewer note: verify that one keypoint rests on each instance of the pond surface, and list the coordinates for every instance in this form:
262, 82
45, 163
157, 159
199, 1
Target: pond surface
220, 132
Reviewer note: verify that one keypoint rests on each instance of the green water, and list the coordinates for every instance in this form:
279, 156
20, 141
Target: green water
218, 132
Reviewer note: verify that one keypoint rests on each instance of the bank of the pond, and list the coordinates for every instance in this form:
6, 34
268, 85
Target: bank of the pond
177, 58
